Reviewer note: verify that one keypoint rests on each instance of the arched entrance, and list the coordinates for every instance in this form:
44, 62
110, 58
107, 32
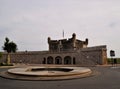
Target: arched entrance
67, 60
74, 60
50, 60
58, 60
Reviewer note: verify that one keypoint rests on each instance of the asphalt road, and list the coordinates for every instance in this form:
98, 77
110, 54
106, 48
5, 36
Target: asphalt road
107, 78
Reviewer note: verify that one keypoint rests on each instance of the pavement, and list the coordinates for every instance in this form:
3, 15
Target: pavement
108, 77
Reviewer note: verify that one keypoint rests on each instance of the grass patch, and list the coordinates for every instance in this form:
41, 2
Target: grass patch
5, 64
110, 60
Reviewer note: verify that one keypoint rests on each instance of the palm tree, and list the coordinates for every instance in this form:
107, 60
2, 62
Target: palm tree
9, 47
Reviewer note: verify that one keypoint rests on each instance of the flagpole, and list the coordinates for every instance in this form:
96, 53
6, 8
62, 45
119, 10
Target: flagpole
63, 33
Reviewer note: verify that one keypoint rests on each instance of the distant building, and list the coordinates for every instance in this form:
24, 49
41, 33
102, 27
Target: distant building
63, 52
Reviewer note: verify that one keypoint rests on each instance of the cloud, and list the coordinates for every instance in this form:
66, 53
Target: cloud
29, 24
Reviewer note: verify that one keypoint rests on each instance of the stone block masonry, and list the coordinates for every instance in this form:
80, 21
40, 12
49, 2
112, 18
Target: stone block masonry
83, 57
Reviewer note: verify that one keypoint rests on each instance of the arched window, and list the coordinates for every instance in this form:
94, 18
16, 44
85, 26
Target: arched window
50, 60
67, 60
58, 60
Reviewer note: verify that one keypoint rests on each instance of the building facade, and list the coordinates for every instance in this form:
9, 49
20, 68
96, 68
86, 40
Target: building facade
63, 52
67, 45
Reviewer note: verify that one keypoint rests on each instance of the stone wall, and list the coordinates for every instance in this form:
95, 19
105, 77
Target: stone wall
85, 56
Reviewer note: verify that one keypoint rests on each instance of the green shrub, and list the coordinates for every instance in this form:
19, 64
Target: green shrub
1, 64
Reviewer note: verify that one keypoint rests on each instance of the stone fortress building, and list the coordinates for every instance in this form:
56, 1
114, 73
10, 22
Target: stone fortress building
63, 52
67, 45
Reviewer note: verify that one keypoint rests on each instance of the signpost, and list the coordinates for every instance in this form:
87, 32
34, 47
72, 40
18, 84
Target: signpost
112, 54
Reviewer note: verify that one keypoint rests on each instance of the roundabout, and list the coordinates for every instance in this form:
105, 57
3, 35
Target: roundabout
46, 73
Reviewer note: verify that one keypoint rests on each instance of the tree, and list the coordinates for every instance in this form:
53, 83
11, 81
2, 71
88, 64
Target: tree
9, 47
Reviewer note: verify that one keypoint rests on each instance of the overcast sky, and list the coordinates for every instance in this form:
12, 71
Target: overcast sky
30, 22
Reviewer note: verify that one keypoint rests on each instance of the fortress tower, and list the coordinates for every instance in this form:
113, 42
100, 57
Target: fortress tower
67, 45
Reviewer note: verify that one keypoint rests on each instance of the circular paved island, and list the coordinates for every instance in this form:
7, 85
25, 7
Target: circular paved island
46, 73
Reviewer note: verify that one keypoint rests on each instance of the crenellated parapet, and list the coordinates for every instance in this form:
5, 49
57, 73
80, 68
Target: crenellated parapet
67, 44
